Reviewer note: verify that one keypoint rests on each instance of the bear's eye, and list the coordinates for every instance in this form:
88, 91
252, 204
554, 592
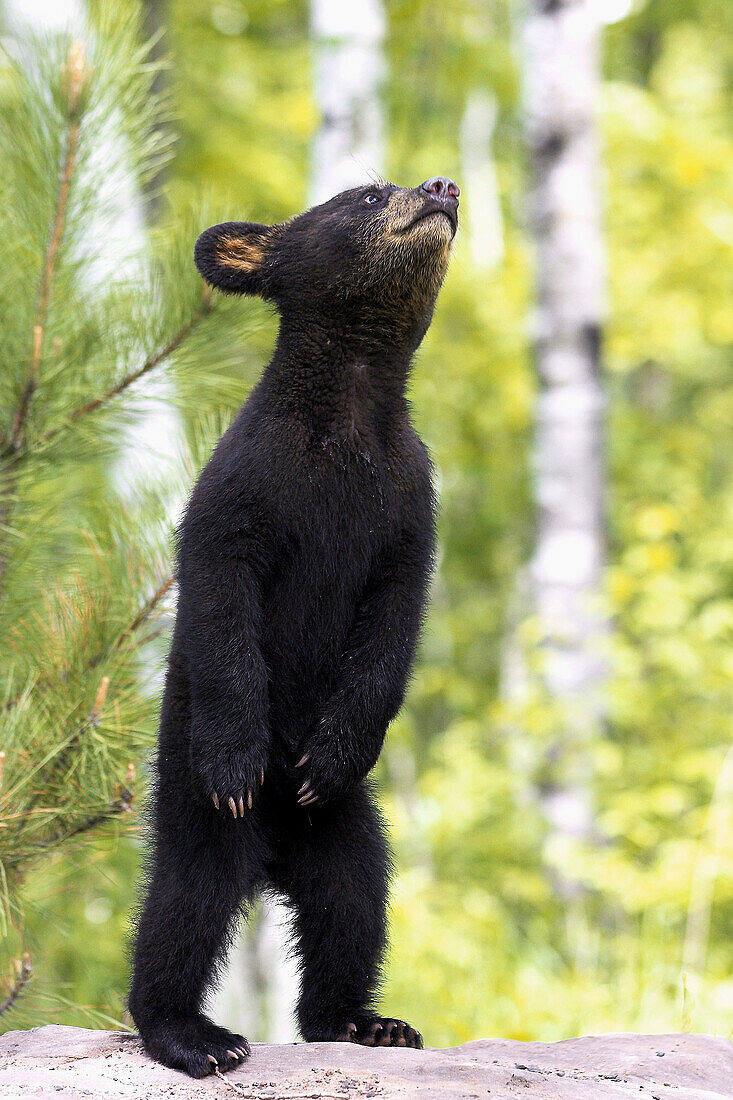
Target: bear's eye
372, 199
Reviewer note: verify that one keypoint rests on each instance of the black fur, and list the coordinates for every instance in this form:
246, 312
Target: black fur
304, 561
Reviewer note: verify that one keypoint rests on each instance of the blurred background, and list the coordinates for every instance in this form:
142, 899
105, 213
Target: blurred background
560, 783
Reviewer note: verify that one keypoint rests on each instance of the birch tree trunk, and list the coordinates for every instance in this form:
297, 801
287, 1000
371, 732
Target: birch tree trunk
258, 991
478, 180
565, 575
349, 146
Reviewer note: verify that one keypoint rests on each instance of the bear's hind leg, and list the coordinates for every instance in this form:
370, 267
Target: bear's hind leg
199, 879
335, 874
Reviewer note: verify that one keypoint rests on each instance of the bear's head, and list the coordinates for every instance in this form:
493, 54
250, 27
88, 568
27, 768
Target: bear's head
378, 252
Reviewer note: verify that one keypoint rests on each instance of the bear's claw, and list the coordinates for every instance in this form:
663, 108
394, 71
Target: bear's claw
377, 1031
237, 805
231, 780
306, 794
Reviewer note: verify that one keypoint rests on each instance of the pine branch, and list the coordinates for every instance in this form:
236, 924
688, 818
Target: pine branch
96, 712
57, 764
23, 976
146, 610
205, 307
75, 77
120, 805
132, 627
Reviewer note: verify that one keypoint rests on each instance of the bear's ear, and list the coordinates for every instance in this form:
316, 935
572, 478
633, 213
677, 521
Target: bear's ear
230, 256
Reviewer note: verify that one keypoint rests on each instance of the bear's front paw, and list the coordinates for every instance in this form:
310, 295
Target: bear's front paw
326, 770
231, 779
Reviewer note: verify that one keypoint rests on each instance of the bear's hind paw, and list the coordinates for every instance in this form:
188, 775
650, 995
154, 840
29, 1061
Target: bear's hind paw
379, 1031
196, 1046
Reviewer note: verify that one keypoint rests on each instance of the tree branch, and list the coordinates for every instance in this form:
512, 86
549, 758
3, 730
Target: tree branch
146, 610
143, 614
57, 763
120, 805
23, 976
205, 307
75, 76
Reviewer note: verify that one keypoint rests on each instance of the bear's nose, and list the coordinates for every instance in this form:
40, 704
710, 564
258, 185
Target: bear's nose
442, 188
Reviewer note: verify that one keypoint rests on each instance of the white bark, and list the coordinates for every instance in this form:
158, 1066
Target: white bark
565, 574
483, 223
257, 994
349, 146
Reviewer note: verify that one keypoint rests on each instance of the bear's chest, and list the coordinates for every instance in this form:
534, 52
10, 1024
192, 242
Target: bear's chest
339, 507
347, 500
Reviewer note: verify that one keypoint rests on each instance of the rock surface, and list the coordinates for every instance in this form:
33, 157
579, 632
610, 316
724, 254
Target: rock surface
67, 1063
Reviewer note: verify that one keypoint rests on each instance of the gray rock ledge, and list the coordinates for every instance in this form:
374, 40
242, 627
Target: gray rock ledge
69, 1063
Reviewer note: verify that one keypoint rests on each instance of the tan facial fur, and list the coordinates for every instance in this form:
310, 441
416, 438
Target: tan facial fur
403, 218
428, 240
408, 257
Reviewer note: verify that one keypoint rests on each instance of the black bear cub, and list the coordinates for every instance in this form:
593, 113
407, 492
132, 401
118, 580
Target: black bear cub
304, 561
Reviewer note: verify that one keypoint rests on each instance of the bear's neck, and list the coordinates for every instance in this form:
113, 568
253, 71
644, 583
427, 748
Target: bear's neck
331, 375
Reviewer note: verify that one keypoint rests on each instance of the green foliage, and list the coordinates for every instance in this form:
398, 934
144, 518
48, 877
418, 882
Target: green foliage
245, 118
646, 947
85, 577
